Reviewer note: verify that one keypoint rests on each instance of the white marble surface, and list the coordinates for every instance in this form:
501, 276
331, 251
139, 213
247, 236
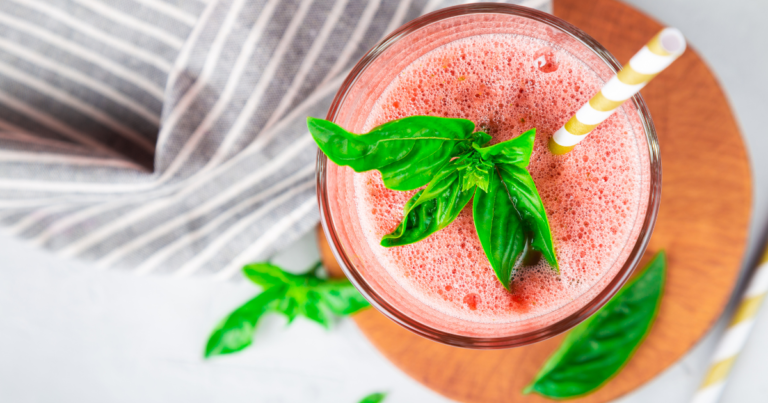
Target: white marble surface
73, 333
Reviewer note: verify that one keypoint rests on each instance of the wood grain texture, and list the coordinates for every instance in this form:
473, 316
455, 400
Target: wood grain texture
702, 224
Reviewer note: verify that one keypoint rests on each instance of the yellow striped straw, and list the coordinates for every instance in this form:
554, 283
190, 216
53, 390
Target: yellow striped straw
654, 57
735, 336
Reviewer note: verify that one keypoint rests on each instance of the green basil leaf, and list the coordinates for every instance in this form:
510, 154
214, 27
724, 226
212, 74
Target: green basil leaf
267, 275
341, 297
319, 299
523, 194
513, 152
474, 170
290, 304
307, 294
235, 332
374, 398
500, 229
476, 140
314, 309
417, 168
408, 152
431, 209
597, 349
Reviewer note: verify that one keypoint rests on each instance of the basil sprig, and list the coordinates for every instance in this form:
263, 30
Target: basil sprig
597, 349
307, 294
447, 155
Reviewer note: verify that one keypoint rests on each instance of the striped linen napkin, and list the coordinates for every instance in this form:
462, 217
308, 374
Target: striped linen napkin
169, 136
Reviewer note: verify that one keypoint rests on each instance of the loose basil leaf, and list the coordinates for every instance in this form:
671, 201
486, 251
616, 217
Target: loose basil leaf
267, 275
318, 299
597, 349
431, 209
235, 332
292, 303
523, 194
514, 152
374, 398
500, 229
408, 152
308, 294
341, 297
289, 306
314, 309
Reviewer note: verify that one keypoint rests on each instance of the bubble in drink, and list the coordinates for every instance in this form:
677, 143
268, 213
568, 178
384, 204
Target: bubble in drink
545, 60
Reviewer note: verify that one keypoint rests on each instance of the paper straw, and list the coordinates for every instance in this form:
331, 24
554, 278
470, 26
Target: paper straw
735, 336
654, 57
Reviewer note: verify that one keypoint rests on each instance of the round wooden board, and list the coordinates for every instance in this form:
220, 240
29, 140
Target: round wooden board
702, 224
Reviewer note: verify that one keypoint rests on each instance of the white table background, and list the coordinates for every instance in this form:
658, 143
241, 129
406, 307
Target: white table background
70, 332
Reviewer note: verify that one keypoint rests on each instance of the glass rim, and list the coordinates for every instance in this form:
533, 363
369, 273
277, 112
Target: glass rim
553, 329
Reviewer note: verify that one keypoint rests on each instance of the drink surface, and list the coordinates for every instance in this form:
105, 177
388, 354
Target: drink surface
508, 84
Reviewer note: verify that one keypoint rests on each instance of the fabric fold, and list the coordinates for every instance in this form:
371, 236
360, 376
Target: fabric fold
169, 137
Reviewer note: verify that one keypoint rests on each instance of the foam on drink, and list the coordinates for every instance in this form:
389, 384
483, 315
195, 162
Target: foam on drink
508, 84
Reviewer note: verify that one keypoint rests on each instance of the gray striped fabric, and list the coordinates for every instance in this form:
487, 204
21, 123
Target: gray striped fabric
169, 136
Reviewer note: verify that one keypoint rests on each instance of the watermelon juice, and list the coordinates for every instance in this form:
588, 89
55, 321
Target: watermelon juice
507, 75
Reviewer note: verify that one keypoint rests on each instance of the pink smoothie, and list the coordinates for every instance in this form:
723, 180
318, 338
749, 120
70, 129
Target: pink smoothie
508, 84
